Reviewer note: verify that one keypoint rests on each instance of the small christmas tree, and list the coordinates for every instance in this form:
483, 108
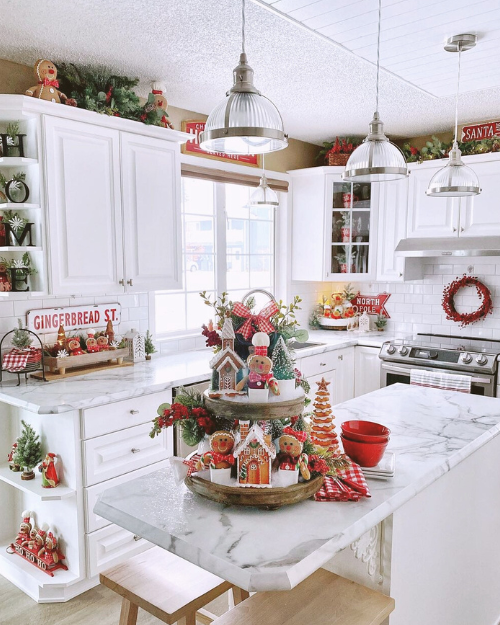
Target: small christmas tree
28, 452
322, 423
282, 361
21, 338
149, 345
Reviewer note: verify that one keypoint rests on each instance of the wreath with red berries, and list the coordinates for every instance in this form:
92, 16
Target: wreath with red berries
464, 319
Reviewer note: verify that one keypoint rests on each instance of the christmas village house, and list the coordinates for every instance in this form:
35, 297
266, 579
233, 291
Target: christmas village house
254, 454
227, 363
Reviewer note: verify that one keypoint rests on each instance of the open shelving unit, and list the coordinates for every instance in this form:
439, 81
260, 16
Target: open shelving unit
34, 487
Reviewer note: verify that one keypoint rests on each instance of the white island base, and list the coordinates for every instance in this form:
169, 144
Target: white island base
428, 536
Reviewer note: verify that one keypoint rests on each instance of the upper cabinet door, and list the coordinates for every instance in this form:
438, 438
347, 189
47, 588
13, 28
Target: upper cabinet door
393, 202
84, 207
480, 214
430, 217
151, 213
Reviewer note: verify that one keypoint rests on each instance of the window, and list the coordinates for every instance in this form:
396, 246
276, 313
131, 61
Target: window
226, 246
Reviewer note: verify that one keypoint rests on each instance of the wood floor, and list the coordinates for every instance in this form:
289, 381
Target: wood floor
99, 606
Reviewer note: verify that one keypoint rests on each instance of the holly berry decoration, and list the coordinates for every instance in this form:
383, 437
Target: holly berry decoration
464, 319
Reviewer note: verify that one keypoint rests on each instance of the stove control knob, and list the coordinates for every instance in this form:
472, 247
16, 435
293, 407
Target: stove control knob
482, 360
403, 351
466, 358
391, 349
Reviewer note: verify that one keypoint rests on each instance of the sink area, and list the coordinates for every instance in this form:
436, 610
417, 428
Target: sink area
297, 345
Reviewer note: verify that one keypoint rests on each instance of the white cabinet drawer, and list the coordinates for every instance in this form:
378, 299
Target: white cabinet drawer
314, 365
95, 522
112, 455
122, 414
110, 546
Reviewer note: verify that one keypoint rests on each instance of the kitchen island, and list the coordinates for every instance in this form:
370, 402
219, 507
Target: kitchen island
427, 537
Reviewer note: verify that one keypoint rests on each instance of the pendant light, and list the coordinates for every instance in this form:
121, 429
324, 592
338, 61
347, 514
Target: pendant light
264, 196
245, 122
455, 179
376, 159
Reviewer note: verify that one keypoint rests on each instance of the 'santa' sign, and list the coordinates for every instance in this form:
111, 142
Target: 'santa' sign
48, 320
478, 132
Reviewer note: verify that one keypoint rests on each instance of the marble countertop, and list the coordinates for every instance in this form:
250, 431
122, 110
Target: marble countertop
102, 387
432, 431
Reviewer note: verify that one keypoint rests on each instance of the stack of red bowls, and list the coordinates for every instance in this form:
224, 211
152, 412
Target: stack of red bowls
364, 441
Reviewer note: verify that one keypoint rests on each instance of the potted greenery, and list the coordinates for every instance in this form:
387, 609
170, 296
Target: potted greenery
337, 152
149, 347
380, 323
341, 258
28, 451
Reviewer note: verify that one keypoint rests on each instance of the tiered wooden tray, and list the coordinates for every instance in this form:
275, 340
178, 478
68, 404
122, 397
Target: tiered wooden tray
263, 498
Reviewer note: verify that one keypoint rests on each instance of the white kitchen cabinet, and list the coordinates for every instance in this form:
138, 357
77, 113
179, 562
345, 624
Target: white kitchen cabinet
337, 367
82, 170
366, 370
336, 222
480, 214
429, 217
151, 212
392, 203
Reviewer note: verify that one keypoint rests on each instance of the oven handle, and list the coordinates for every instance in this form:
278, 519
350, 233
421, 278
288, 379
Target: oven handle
393, 369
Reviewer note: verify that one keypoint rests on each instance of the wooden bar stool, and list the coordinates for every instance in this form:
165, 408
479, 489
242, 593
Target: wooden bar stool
322, 599
167, 587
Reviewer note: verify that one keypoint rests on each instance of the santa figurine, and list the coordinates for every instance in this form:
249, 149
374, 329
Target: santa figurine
10, 459
48, 470
24, 529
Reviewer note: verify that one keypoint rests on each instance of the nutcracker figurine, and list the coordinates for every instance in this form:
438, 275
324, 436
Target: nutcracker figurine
48, 470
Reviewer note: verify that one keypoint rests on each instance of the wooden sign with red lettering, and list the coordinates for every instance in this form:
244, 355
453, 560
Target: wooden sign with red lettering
48, 320
373, 304
478, 132
193, 147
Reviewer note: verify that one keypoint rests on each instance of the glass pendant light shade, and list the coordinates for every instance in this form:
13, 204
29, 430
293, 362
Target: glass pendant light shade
455, 179
264, 196
376, 159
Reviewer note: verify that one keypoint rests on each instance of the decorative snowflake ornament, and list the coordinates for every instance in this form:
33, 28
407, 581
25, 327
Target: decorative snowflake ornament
18, 264
17, 223
115, 344
62, 353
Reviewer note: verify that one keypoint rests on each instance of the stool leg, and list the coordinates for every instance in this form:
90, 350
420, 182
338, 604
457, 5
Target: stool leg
189, 619
128, 615
239, 595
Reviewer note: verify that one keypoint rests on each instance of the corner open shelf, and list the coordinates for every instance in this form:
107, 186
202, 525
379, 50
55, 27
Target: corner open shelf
21, 248
38, 576
17, 161
34, 487
19, 206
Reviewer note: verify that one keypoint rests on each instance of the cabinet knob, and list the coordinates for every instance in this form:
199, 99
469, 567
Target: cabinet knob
462, 229
130, 282
454, 229
322, 364
134, 412
341, 357
134, 450
122, 282
400, 274
136, 538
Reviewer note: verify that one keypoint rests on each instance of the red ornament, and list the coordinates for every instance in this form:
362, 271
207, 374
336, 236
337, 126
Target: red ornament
464, 319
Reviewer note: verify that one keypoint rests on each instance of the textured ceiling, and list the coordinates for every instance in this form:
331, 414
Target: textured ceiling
192, 45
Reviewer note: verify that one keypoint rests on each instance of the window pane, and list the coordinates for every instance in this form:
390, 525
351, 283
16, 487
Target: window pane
237, 236
261, 271
236, 200
197, 312
199, 270
197, 196
170, 312
261, 237
237, 271
261, 212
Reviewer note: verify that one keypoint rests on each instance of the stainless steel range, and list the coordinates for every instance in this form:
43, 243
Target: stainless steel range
475, 357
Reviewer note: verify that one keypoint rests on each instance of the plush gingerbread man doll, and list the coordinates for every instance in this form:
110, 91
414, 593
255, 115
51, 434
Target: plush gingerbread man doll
290, 456
220, 456
74, 347
48, 85
260, 365
51, 556
24, 529
161, 104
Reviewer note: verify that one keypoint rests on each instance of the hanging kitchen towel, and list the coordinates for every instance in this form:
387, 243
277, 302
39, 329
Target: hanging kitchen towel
338, 490
445, 381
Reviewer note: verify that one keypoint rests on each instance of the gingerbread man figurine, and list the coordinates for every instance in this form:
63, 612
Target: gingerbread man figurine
48, 85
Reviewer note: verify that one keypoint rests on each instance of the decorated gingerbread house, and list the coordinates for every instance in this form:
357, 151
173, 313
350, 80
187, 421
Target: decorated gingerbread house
254, 454
227, 363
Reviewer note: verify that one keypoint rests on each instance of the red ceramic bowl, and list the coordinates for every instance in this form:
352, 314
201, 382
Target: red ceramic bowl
378, 441
365, 454
365, 431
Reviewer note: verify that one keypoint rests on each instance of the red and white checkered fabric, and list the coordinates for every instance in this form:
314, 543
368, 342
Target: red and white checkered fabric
17, 359
331, 491
191, 463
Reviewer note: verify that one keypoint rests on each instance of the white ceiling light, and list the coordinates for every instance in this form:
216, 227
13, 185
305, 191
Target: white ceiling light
264, 196
245, 122
376, 159
455, 179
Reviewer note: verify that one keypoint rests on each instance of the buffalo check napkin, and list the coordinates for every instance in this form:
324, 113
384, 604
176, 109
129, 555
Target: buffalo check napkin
17, 359
333, 491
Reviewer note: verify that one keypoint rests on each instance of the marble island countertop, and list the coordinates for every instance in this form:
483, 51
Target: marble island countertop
432, 431
103, 387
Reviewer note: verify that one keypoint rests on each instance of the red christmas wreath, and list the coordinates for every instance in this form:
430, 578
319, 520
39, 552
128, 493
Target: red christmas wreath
464, 319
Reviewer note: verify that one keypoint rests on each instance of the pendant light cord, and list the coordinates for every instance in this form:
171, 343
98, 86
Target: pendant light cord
243, 26
378, 47
458, 91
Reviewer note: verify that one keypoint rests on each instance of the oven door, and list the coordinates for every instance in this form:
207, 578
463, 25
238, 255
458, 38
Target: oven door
393, 373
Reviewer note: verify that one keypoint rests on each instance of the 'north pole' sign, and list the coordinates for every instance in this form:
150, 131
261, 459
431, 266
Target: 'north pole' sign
48, 320
478, 132
372, 304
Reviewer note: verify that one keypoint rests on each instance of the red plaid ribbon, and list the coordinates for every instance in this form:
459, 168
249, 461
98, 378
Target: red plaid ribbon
261, 321
331, 491
17, 359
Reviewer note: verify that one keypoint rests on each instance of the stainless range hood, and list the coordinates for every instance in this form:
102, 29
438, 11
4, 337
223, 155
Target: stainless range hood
448, 246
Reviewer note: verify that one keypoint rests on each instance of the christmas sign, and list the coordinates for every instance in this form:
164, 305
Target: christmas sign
372, 304
72, 318
478, 132
193, 147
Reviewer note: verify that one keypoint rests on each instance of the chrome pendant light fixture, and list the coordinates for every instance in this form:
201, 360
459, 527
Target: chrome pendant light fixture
455, 179
264, 196
376, 159
245, 122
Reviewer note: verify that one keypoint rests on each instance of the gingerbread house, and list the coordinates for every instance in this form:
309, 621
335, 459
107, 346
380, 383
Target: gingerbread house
227, 363
254, 454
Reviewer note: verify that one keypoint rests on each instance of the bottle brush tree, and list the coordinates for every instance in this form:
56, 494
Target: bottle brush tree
28, 451
21, 337
283, 367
